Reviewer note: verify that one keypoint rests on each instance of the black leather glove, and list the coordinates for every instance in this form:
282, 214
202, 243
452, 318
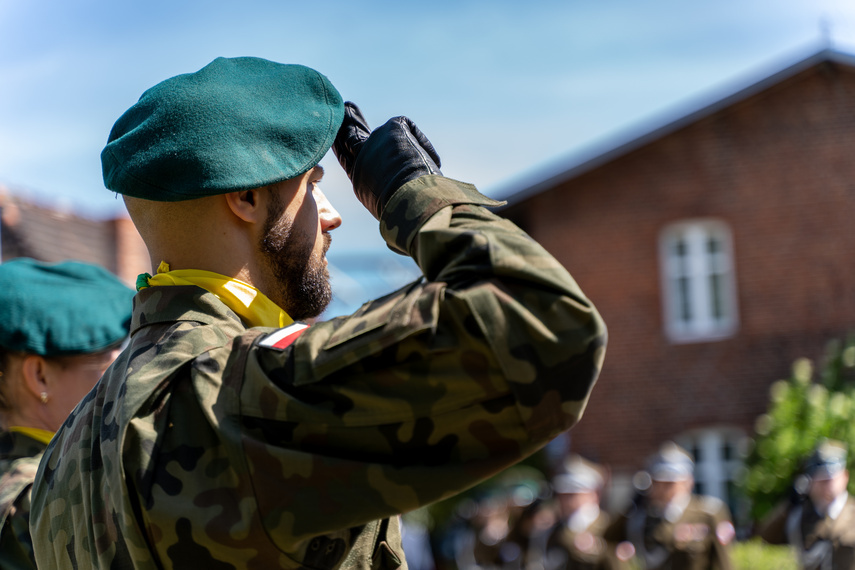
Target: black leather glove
378, 163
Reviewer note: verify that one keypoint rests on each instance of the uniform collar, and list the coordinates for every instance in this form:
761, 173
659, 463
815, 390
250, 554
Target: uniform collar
183, 303
253, 306
41, 435
675, 509
583, 517
836, 506
15, 445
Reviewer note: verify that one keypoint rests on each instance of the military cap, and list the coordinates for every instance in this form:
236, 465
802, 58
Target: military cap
827, 460
236, 124
670, 463
61, 309
578, 476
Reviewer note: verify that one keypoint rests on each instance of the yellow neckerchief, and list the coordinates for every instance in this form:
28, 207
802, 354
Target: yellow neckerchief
253, 306
41, 435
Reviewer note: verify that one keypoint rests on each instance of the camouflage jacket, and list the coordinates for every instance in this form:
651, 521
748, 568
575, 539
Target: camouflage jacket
19, 460
211, 445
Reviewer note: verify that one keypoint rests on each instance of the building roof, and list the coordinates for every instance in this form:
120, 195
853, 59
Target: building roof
47, 234
556, 173
50, 233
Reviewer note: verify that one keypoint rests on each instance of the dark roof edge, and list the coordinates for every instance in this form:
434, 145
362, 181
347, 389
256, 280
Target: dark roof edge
592, 157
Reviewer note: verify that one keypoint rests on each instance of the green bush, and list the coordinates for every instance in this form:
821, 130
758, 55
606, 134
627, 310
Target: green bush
802, 410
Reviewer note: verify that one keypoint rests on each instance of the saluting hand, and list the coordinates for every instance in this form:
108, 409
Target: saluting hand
378, 163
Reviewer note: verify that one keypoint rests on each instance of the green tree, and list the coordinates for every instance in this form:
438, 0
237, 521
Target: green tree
803, 409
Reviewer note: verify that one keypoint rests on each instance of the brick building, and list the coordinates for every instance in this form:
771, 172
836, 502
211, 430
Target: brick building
719, 248
47, 233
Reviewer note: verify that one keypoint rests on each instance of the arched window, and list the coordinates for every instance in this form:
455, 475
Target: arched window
699, 291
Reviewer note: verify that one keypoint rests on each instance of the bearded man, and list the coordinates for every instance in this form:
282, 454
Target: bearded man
231, 435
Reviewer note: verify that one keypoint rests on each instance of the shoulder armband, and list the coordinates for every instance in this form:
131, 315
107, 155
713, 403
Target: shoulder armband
283, 338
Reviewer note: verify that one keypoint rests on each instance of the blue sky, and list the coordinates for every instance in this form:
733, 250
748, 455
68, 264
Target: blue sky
502, 88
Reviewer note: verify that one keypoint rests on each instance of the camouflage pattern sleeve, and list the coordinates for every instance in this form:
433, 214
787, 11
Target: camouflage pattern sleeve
203, 445
16, 546
427, 391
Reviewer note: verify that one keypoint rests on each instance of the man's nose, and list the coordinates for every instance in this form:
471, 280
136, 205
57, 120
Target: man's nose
329, 216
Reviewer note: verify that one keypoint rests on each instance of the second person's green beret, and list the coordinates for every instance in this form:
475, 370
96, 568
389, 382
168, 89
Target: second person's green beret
236, 124
56, 309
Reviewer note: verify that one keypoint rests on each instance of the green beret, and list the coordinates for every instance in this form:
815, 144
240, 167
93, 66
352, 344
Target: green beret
236, 124
61, 309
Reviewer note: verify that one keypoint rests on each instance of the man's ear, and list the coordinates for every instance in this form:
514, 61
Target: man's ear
246, 205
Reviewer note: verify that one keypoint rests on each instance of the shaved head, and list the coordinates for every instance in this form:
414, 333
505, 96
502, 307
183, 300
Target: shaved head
161, 221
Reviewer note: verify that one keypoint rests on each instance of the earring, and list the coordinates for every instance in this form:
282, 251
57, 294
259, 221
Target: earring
44, 397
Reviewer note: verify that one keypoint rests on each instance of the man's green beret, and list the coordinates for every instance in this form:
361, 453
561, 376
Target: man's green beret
61, 309
236, 124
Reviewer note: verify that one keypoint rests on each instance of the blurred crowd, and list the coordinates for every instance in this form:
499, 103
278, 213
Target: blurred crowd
523, 521
529, 523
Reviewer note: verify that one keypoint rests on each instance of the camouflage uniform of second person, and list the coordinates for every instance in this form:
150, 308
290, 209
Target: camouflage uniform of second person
19, 461
300, 456
60, 325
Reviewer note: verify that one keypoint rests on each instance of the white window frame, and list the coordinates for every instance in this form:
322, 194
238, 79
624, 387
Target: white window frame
713, 471
688, 298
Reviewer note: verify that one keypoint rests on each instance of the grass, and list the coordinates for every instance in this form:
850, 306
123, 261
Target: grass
755, 554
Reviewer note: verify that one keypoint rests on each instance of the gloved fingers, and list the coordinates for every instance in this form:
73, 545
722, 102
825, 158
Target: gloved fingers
394, 154
422, 140
351, 135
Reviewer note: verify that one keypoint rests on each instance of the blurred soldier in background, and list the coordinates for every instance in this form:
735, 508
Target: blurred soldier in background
668, 526
60, 327
576, 542
479, 544
820, 524
530, 517
505, 523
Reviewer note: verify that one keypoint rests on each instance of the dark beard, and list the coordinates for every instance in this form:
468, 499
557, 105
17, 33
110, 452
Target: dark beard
302, 282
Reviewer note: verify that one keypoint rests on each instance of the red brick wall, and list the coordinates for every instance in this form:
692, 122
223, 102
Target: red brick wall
779, 168
131, 253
